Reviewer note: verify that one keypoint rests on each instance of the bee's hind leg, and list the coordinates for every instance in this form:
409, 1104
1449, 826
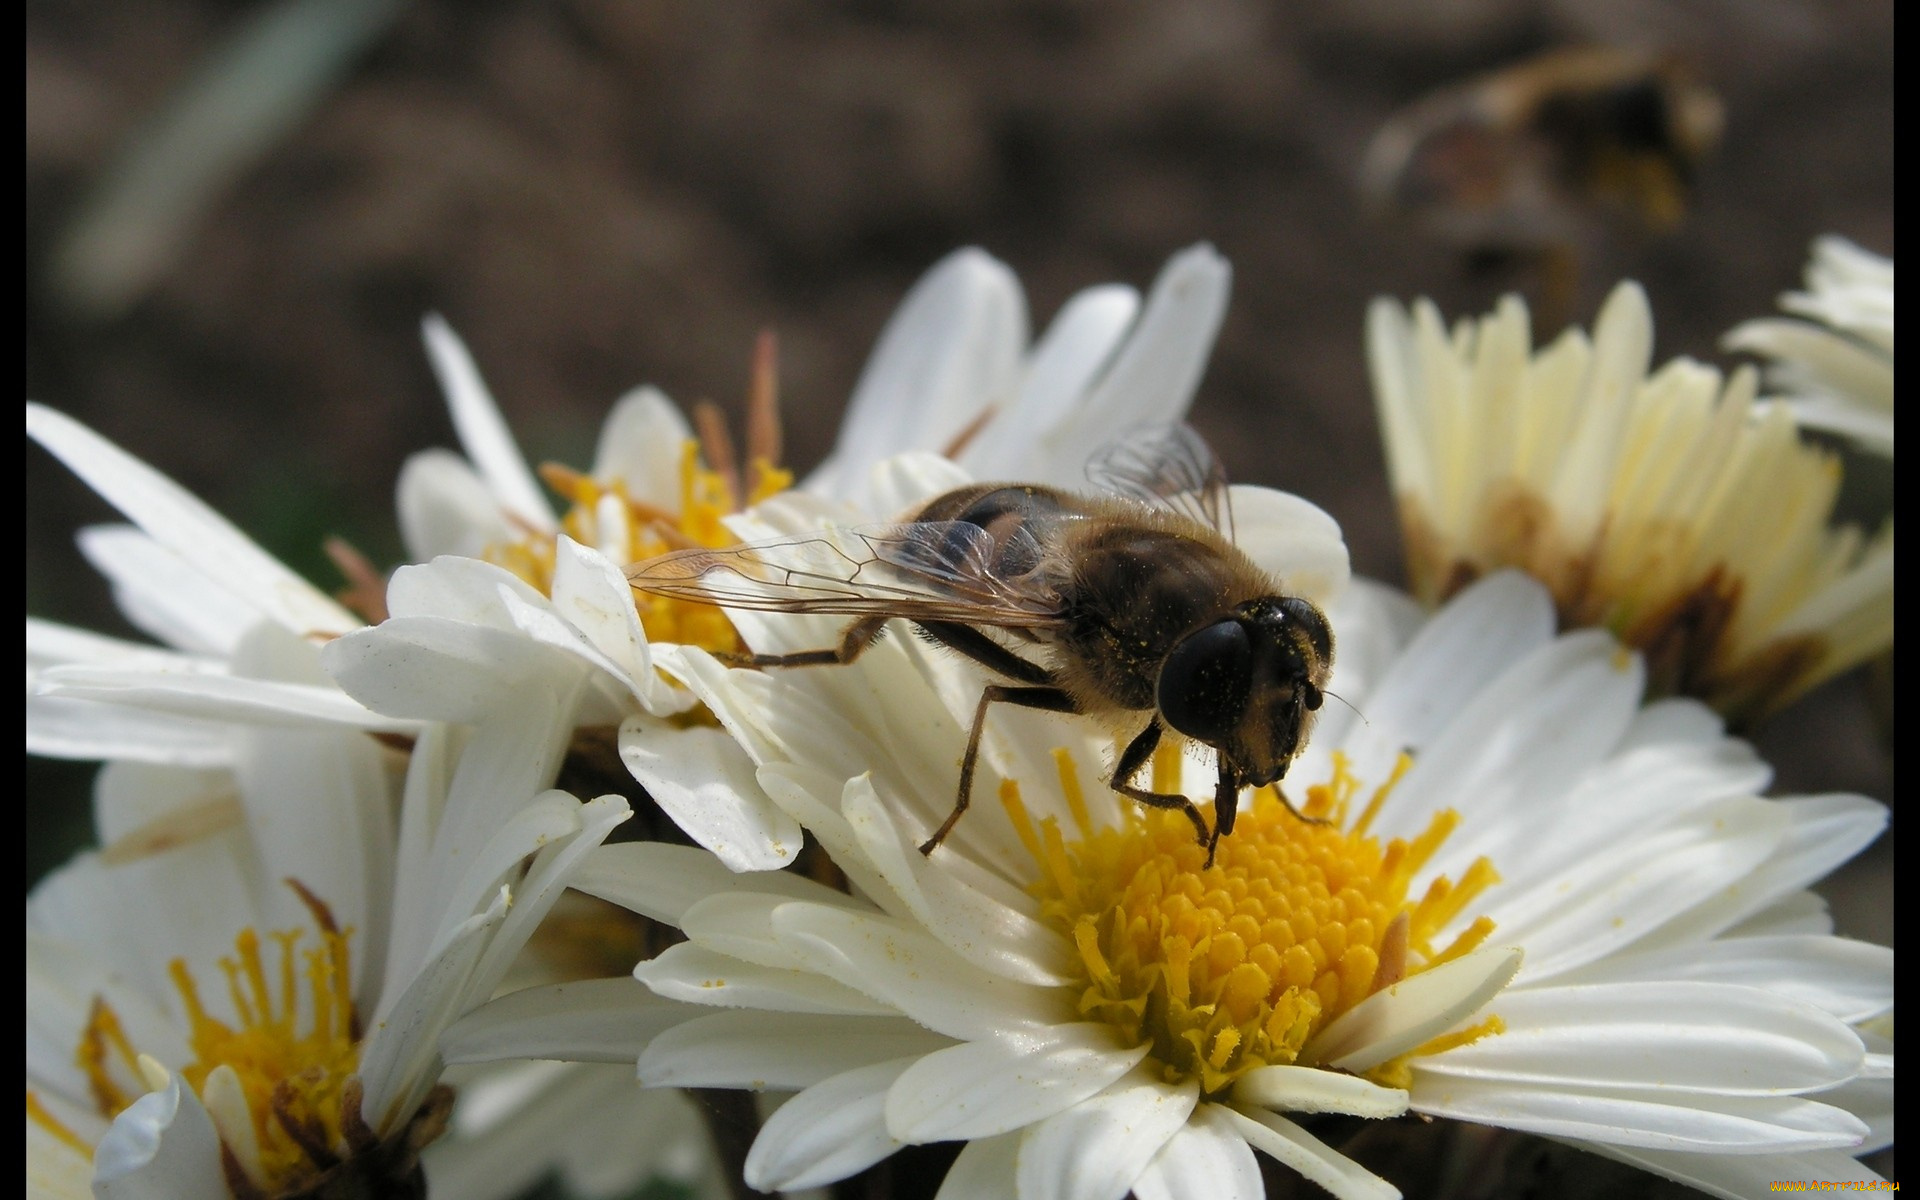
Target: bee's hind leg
1134, 757
854, 641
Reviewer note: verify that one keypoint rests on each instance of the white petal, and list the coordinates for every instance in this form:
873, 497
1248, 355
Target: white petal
903, 483
1650, 1120
89, 730
978, 1089
700, 976
1798, 914
590, 1020
830, 1131
909, 971
983, 1171
464, 589
492, 814
1674, 719
1394, 1020
1851, 980
735, 698
704, 781
179, 521
1064, 363
1822, 833
1472, 641
162, 1147
1295, 540
591, 594
51, 644
443, 507
991, 935
1535, 731
150, 805
1153, 376
1708, 1038
319, 809
544, 879
640, 445
661, 881
1619, 893
1870, 1096
431, 668
218, 697
1595, 830
1309, 1089
1207, 1159
1098, 1148
483, 432
164, 595
1294, 1147
810, 797
1740, 1176
778, 1051
585, 1118
953, 346
64, 975
494, 854
399, 1057
741, 924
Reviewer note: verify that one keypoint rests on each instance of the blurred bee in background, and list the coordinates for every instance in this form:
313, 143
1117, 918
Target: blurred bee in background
1538, 158
1135, 599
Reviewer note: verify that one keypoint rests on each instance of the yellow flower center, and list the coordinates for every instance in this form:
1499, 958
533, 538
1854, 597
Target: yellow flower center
626, 530
292, 1068
1236, 966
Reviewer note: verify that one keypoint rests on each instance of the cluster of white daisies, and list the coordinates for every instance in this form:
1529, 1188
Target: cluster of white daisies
363, 913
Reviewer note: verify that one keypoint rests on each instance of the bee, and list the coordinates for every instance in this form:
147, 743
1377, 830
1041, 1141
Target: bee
1131, 604
1536, 153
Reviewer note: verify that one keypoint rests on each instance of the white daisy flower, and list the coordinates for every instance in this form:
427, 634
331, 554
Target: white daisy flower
1667, 508
1835, 366
217, 601
196, 584
243, 992
1534, 904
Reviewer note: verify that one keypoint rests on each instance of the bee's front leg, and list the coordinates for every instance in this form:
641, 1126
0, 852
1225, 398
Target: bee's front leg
1134, 757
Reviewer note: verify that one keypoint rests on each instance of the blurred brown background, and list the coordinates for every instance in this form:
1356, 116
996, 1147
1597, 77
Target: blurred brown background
599, 193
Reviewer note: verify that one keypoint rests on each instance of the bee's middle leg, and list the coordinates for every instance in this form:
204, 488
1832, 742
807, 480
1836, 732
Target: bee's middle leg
1134, 757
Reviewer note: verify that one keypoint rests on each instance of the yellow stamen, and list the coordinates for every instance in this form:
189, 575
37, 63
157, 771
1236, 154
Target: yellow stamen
292, 1079
40, 1115
601, 513
1070, 789
1224, 969
1398, 1072
103, 1045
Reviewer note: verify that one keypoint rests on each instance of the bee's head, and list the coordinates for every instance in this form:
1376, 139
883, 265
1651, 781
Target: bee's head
1248, 685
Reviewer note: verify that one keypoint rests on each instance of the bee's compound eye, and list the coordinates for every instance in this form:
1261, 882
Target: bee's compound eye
1313, 622
1205, 682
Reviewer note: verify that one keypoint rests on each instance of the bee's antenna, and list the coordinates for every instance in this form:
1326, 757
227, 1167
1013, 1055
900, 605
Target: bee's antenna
1350, 705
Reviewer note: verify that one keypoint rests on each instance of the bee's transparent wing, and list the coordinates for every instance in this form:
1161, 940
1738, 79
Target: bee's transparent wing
1170, 467
921, 570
